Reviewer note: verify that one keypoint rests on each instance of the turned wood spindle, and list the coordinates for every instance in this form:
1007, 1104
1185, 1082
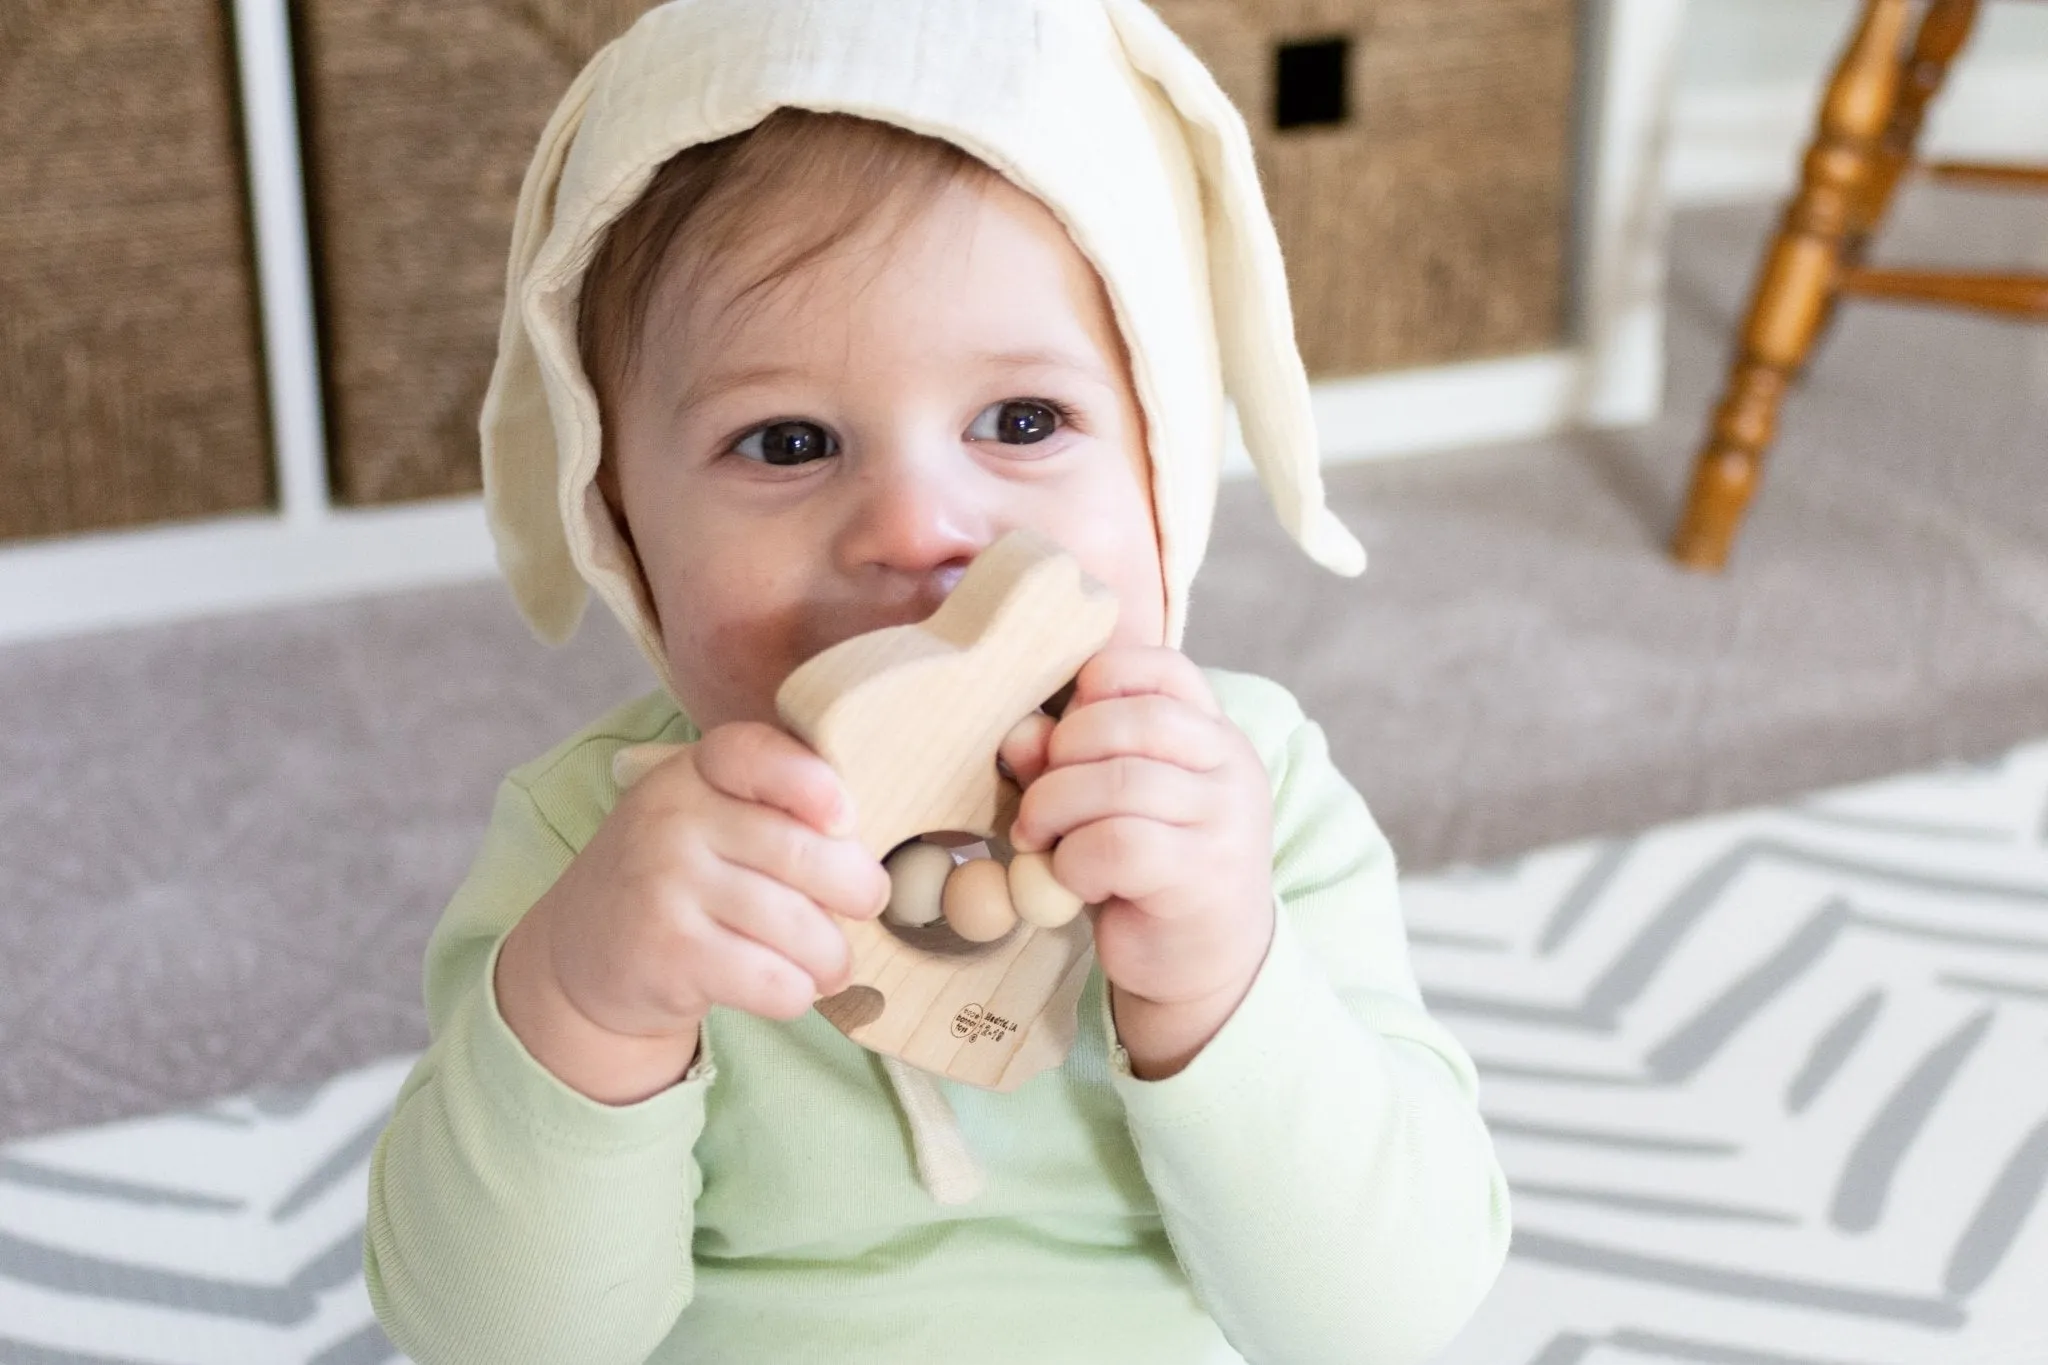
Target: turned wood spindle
1794, 285
1868, 142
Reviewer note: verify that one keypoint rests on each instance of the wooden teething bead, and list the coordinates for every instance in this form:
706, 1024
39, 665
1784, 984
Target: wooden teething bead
977, 901
917, 881
1039, 899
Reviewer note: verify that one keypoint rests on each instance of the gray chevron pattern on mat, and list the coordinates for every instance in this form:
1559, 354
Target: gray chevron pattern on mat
1772, 1089
230, 1233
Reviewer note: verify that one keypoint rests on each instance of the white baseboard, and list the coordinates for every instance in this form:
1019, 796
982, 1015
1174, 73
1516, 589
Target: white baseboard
1746, 142
1407, 413
168, 573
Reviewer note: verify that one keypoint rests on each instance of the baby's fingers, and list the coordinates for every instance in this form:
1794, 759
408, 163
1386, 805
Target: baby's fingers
749, 761
744, 972
1024, 749
1144, 726
837, 874
1122, 858
1066, 798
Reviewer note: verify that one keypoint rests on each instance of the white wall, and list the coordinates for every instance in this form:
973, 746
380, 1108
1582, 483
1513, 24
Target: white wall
1750, 74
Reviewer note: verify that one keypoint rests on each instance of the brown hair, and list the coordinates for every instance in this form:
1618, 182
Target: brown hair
841, 170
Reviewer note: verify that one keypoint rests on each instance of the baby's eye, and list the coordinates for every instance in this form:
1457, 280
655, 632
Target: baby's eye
1017, 422
785, 443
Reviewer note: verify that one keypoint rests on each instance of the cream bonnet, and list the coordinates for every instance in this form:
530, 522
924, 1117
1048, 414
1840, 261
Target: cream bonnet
1093, 106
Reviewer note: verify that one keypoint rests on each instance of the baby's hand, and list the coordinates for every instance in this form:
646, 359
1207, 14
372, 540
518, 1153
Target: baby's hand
1162, 812
715, 880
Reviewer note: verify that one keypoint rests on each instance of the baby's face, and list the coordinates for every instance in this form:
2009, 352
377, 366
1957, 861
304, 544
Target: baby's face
825, 459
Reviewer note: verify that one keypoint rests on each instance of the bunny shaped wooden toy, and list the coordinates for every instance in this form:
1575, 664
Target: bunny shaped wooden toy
911, 717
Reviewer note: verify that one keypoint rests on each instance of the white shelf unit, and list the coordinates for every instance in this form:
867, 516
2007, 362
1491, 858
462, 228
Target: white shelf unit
307, 549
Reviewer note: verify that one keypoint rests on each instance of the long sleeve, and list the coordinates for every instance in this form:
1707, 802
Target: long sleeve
1321, 1166
512, 1219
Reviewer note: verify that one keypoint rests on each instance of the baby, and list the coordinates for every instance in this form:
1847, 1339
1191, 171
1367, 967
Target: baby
811, 301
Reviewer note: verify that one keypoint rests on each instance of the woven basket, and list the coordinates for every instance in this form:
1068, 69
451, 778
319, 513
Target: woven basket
130, 386
419, 121
1429, 220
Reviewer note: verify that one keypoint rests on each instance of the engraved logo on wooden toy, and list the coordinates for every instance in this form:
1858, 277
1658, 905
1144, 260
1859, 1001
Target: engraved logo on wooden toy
974, 1023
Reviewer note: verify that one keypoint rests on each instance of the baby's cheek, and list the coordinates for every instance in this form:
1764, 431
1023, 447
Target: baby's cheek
1141, 598
1145, 595
728, 664
1123, 553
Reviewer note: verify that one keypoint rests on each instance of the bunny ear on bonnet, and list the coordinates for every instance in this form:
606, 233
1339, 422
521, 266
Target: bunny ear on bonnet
522, 486
1262, 368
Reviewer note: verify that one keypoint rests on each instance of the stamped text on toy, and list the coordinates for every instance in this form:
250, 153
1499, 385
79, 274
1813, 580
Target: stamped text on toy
975, 1023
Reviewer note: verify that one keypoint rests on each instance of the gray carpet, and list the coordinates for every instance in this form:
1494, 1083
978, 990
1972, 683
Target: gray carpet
222, 844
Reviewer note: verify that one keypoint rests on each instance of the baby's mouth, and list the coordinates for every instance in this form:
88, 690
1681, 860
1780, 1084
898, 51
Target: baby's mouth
835, 623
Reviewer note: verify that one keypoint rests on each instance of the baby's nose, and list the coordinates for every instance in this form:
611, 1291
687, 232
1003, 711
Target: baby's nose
916, 521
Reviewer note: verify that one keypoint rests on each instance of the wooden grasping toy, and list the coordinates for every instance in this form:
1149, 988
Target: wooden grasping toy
910, 718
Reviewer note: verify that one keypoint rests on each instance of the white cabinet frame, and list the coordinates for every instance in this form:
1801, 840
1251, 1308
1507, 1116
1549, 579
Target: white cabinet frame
307, 549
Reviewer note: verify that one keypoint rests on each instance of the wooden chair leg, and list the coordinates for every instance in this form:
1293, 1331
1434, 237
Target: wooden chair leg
1986, 175
1943, 32
1944, 29
1793, 287
2017, 296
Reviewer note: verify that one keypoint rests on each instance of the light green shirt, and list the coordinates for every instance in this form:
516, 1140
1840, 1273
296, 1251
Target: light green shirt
1315, 1188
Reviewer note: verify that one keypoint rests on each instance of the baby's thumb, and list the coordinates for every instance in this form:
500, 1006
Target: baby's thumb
1025, 748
